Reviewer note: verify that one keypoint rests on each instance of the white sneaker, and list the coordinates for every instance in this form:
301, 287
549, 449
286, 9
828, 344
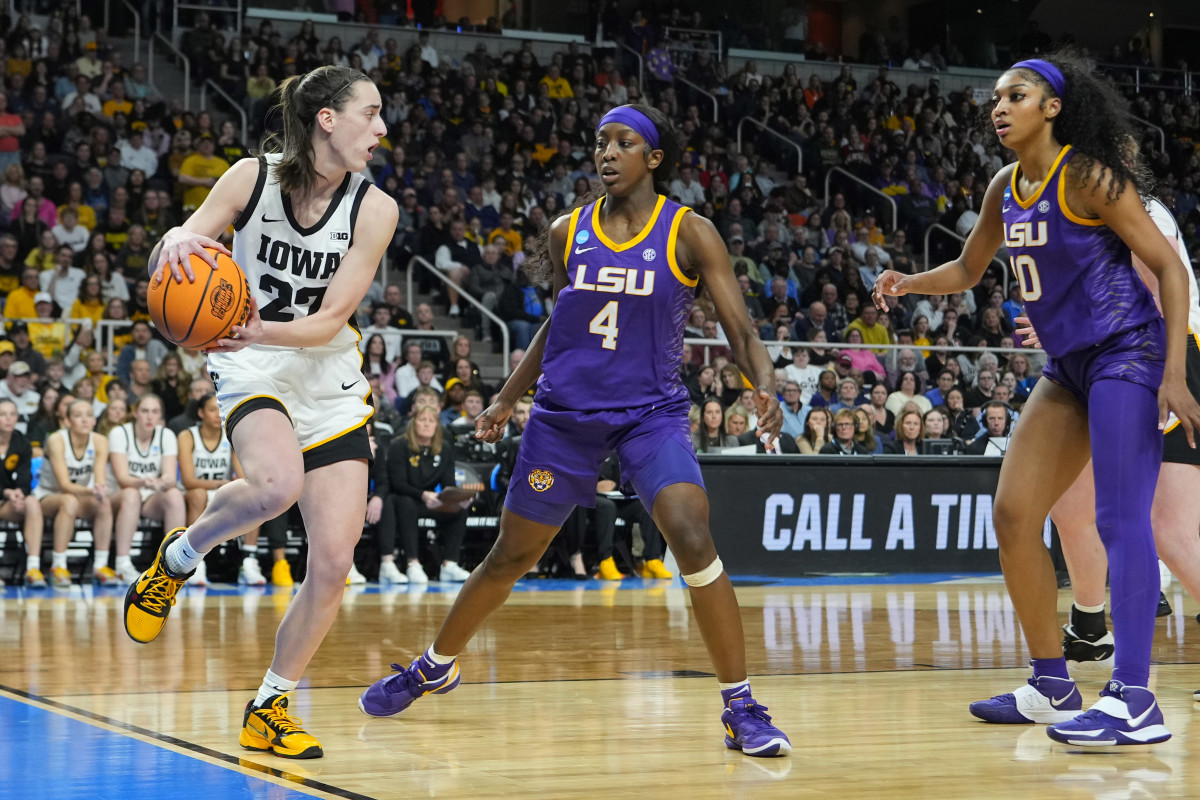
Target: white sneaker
199, 577
251, 574
452, 572
354, 577
390, 573
128, 573
415, 573
454, 312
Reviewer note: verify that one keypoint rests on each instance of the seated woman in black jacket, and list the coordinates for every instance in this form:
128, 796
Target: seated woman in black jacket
417, 463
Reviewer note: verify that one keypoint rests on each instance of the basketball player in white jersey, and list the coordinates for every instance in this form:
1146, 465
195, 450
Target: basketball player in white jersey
143, 458
206, 463
309, 234
1175, 514
73, 484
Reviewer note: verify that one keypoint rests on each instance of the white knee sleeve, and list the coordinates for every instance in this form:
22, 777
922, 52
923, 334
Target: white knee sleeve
707, 575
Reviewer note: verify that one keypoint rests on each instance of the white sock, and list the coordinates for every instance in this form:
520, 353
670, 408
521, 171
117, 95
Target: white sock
272, 685
35, 562
1090, 609
100, 559
181, 557
440, 660
124, 561
59, 560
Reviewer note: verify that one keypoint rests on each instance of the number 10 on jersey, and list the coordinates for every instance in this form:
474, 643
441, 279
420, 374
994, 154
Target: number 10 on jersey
604, 325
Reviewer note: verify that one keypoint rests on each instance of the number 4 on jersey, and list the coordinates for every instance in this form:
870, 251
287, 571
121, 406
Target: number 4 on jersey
604, 324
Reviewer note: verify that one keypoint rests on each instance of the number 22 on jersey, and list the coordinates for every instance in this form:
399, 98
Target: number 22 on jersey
604, 325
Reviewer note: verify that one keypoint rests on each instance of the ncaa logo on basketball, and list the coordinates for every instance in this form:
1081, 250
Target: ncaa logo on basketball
648, 254
541, 480
1043, 206
220, 299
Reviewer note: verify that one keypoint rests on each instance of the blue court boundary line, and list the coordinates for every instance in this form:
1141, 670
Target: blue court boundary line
164, 739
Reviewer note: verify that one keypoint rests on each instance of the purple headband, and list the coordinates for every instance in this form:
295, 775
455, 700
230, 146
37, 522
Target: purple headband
635, 120
1047, 71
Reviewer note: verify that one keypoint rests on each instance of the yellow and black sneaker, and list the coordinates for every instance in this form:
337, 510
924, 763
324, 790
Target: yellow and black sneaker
272, 728
150, 597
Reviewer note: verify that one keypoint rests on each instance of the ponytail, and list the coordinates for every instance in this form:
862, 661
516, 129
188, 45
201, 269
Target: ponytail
301, 98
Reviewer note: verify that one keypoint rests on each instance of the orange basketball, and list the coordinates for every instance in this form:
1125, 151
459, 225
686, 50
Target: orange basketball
196, 314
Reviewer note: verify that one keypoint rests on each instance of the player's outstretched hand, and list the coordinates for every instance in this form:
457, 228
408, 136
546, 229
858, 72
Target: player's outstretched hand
1029, 337
489, 426
1174, 397
891, 283
248, 333
178, 245
770, 417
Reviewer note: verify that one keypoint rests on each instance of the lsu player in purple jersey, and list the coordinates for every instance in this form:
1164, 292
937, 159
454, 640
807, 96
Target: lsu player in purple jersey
625, 268
1070, 214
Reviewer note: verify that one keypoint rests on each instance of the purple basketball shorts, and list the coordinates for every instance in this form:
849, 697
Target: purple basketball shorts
562, 450
1137, 356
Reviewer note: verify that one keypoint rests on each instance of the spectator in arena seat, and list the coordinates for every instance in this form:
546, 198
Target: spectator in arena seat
522, 307
908, 389
69, 231
865, 361
25, 350
198, 387
868, 324
848, 396
864, 431
381, 316
964, 425
982, 391
908, 361
844, 442
910, 429
142, 347
818, 431
945, 381
27, 227
433, 348
779, 297
711, 436
44, 421
793, 409
702, 384
17, 387
63, 280
686, 189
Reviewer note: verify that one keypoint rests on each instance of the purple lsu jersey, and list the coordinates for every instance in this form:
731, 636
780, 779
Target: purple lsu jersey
1076, 276
616, 338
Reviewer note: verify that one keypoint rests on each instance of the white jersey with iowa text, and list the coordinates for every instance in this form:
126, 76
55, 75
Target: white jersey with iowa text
288, 266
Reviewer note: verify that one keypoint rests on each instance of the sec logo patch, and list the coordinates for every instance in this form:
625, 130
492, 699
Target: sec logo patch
541, 480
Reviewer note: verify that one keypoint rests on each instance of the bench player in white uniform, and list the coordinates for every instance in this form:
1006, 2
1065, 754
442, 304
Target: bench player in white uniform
206, 463
1175, 514
72, 485
143, 458
309, 234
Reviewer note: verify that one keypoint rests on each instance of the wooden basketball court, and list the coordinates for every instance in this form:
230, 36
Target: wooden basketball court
572, 691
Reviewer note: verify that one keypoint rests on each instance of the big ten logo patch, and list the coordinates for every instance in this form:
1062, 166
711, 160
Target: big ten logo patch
541, 479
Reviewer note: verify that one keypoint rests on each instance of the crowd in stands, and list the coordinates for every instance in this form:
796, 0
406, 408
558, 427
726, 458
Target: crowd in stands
481, 155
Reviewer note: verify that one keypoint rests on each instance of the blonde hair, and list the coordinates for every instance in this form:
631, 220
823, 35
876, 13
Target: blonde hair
410, 433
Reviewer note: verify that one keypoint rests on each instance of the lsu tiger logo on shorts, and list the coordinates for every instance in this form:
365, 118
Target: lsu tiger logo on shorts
541, 480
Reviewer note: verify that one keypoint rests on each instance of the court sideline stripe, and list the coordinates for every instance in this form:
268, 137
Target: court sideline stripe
163, 738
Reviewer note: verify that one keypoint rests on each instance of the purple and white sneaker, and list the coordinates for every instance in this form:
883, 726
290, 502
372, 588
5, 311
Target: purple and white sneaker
748, 728
1123, 715
393, 694
1041, 700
